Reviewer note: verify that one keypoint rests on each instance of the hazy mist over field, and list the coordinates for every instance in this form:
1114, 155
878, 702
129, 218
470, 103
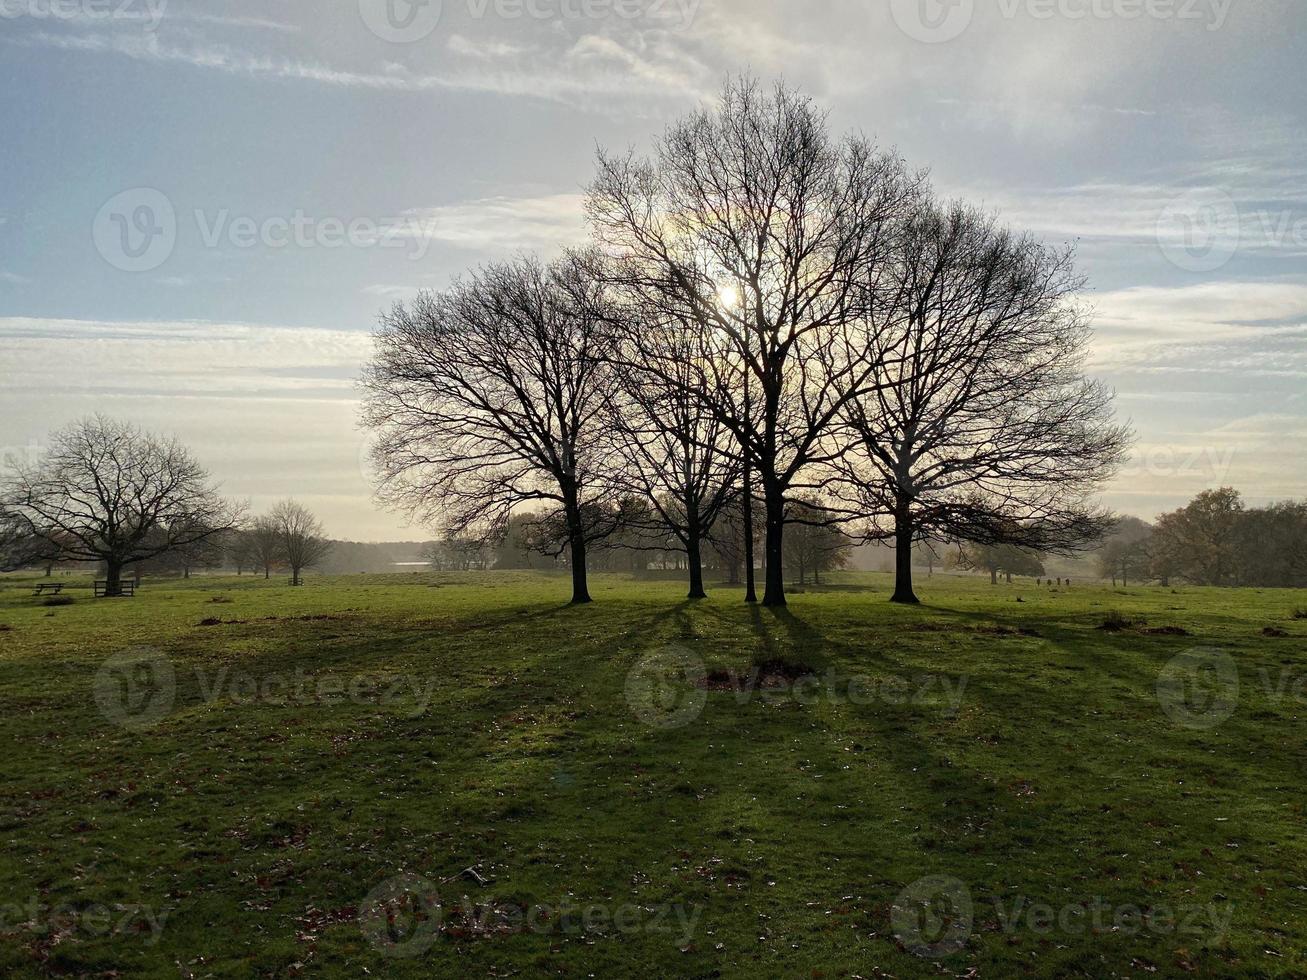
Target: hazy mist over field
205, 206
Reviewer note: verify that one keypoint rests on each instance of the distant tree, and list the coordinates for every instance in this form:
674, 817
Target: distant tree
813, 541
1125, 553
768, 234
455, 554
1272, 546
237, 551
984, 426
488, 397
264, 545
727, 549
1200, 541
108, 492
1004, 559
18, 547
301, 542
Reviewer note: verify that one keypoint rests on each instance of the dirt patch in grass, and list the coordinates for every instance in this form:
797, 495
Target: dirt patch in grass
773, 673
1274, 631
1117, 621
1167, 631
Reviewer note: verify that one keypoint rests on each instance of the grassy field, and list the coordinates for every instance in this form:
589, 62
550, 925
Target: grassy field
459, 776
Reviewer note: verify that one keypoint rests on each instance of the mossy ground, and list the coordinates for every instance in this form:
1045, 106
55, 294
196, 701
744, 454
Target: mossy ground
323, 741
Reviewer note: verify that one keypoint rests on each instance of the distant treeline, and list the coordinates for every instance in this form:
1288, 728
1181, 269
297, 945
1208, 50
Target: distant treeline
1214, 540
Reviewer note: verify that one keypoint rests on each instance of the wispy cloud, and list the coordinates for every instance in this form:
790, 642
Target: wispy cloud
547, 222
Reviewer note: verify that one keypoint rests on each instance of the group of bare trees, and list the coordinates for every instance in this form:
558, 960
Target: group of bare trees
287, 537
766, 313
110, 493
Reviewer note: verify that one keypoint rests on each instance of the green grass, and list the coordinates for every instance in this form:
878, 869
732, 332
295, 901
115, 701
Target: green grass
1014, 749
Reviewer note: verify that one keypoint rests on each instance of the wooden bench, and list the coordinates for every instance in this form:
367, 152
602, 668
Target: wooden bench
127, 585
53, 588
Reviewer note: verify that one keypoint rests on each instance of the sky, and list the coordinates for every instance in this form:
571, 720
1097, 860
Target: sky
205, 206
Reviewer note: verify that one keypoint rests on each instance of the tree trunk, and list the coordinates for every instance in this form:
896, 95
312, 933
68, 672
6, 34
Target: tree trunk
576, 546
113, 585
294, 575
267, 571
903, 558
580, 589
774, 593
694, 559
993, 576
750, 587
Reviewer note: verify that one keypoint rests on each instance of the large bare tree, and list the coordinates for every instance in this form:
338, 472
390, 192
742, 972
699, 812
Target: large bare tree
108, 492
488, 398
983, 426
753, 223
669, 448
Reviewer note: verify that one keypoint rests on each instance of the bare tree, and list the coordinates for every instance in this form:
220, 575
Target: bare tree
19, 548
669, 447
814, 543
1125, 553
263, 544
983, 426
995, 558
752, 223
301, 543
108, 492
488, 398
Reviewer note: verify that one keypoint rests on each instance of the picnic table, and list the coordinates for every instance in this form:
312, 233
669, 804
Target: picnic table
53, 588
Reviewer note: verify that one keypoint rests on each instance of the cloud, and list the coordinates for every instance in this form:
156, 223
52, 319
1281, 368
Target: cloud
546, 223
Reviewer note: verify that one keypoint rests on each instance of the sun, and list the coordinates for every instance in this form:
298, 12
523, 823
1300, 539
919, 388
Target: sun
729, 297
